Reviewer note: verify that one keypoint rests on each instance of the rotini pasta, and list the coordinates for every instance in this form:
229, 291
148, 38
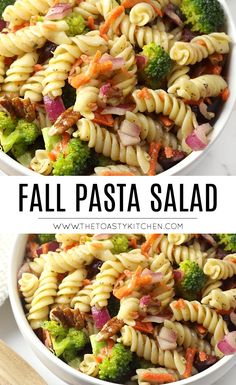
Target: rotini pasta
87, 9
82, 299
221, 269
69, 287
89, 365
41, 163
142, 14
23, 10
221, 300
129, 309
33, 87
177, 73
28, 285
119, 168
179, 239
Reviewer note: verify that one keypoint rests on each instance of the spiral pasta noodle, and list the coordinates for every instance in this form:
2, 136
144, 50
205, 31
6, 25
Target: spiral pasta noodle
33, 87
70, 239
194, 311
221, 300
69, 287
107, 143
18, 73
142, 14
23, 10
106, 6
129, 308
41, 163
89, 365
179, 239
178, 72
82, 299
140, 373
221, 269
87, 9
187, 337
159, 101
210, 286
38, 264
2, 70
109, 273
200, 48
43, 297
86, 98
148, 348
201, 87
161, 264
152, 130
119, 168
28, 285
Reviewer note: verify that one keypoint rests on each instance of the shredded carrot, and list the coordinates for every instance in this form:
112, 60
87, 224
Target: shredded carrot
116, 173
196, 307
217, 70
73, 244
153, 152
133, 243
180, 304
38, 67
201, 42
201, 329
91, 24
51, 27
79, 80
202, 356
168, 152
147, 245
106, 120
190, 354
166, 121
45, 248
145, 327
104, 28
158, 378
225, 94
136, 282
143, 93
20, 26
131, 3
86, 282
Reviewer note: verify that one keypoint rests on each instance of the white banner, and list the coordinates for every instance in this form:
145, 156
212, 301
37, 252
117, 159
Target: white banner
126, 205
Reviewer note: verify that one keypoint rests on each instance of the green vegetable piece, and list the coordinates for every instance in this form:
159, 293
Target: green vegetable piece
120, 244
228, 241
76, 24
97, 346
50, 141
193, 280
44, 238
115, 366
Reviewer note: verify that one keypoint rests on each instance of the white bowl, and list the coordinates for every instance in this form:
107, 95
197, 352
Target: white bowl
11, 167
58, 367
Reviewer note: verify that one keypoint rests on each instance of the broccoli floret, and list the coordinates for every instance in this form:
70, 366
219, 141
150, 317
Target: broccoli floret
4, 4
157, 67
44, 238
120, 243
103, 161
115, 366
75, 159
66, 342
192, 282
205, 16
55, 329
76, 24
24, 135
7, 124
50, 141
228, 241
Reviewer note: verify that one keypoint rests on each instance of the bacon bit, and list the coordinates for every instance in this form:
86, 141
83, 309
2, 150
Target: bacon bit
201, 329
86, 282
133, 243
159, 378
147, 245
190, 354
225, 94
31, 249
45, 248
153, 152
145, 327
201, 42
131, 3
180, 304
168, 152
104, 28
77, 1
20, 26
91, 24
166, 121
116, 173
202, 356
144, 93
70, 246
106, 120
38, 67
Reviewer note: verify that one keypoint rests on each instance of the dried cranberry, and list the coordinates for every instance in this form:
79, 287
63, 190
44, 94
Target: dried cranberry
94, 268
187, 35
46, 52
167, 163
229, 283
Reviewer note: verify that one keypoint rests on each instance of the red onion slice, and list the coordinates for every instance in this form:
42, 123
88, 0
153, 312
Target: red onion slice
100, 317
128, 140
168, 334
59, 11
141, 60
3, 25
166, 345
198, 139
50, 246
228, 345
145, 301
54, 107
154, 319
178, 275
156, 277
118, 110
117, 62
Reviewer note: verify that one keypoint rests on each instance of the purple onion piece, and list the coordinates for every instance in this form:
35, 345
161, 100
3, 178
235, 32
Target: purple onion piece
50, 246
100, 316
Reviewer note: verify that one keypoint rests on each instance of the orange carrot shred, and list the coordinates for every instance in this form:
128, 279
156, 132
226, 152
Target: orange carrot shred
180, 304
104, 28
190, 354
145, 327
147, 245
224, 312
154, 151
106, 120
86, 282
201, 329
158, 378
143, 93
133, 243
202, 356
131, 3
225, 94
201, 42
116, 173
38, 67
91, 22
165, 120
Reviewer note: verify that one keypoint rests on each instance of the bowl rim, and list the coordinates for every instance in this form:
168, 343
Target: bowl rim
9, 165
32, 339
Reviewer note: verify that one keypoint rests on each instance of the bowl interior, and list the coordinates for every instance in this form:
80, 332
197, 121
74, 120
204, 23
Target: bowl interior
12, 167
44, 354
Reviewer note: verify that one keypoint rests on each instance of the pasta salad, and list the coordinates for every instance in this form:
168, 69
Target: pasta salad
109, 88
140, 308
